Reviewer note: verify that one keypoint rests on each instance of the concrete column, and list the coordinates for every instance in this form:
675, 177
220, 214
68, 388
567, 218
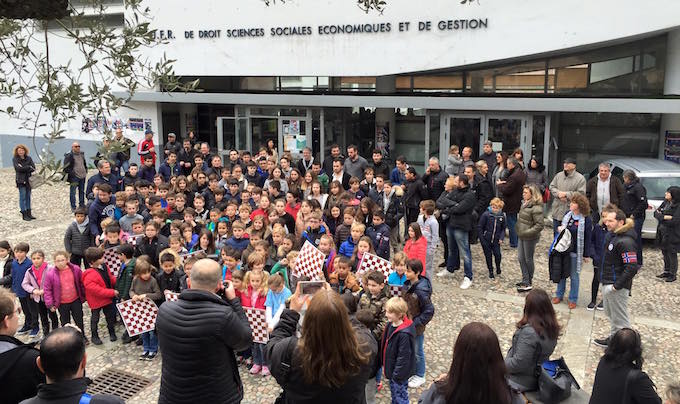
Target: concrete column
671, 85
384, 117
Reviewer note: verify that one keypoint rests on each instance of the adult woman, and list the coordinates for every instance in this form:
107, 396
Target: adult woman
619, 377
477, 374
500, 171
271, 150
518, 153
329, 363
536, 174
668, 233
277, 175
307, 181
528, 227
577, 221
24, 167
295, 179
533, 342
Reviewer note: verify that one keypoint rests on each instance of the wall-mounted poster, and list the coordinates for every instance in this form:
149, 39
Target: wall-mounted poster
136, 124
671, 149
382, 139
147, 125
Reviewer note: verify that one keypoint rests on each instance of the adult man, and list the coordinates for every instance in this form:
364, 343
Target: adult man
123, 157
562, 188
205, 152
602, 190
62, 359
435, 178
620, 266
379, 166
398, 174
252, 176
104, 176
234, 160
328, 161
354, 163
199, 334
390, 201
321, 176
467, 159
172, 145
169, 166
104, 206
483, 191
376, 194
634, 204
339, 175
186, 157
511, 188
19, 374
305, 163
415, 191
146, 147
488, 155
75, 169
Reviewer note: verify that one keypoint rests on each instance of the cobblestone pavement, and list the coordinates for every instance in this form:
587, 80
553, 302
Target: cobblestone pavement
655, 307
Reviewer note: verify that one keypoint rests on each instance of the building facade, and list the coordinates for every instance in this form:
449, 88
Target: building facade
556, 79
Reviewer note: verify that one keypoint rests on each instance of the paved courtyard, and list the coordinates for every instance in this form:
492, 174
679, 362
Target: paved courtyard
655, 307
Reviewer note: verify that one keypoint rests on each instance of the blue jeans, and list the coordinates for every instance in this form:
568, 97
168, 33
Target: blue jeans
80, 186
453, 261
420, 355
258, 354
24, 198
124, 164
150, 342
638, 229
512, 221
573, 283
399, 392
459, 239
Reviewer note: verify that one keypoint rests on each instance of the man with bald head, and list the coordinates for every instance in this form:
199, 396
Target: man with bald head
75, 169
199, 334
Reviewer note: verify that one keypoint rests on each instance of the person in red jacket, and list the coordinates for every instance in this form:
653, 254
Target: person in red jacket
416, 245
146, 146
100, 292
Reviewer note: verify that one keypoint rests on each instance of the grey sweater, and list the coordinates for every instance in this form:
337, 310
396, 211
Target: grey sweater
149, 288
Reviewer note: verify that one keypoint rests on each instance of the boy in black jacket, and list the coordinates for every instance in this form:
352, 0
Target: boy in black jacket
379, 233
169, 277
152, 243
397, 349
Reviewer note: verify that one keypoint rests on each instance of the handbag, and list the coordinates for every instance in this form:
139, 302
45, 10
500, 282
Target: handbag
555, 381
546, 195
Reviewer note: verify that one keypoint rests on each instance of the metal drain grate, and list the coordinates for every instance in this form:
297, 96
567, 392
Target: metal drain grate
117, 382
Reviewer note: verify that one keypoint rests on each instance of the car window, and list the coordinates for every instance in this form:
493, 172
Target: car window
656, 186
618, 172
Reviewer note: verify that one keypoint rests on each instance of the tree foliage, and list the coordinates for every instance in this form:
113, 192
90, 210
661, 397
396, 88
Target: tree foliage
107, 68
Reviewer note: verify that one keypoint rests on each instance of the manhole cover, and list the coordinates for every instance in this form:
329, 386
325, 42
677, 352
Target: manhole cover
117, 382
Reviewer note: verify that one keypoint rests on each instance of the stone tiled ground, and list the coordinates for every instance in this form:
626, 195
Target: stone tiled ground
655, 307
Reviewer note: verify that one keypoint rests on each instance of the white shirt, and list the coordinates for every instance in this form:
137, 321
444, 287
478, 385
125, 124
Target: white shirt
338, 177
603, 192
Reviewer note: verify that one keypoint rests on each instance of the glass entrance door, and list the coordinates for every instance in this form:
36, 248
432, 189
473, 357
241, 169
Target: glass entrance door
226, 136
462, 131
508, 133
263, 130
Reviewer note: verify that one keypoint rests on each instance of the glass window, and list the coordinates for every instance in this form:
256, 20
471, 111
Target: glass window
258, 83
354, 83
409, 134
523, 78
298, 83
452, 83
656, 186
264, 111
293, 112
434, 135
538, 137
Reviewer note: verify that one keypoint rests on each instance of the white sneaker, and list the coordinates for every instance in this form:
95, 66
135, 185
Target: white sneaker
466, 283
416, 381
444, 272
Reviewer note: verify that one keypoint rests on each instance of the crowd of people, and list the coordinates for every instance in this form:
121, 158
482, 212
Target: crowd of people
225, 235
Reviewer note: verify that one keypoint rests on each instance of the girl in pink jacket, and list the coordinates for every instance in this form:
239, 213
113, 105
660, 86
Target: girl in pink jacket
32, 283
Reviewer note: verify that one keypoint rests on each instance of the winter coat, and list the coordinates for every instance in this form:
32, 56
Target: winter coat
537, 177
528, 350
69, 392
124, 281
185, 328
246, 298
397, 177
453, 164
168, 281
98, 178
610, 379
149, 288
313, 236
395, 209
381, 168
529, 221
33, 280
418, 297
23, 167
19, 373
620, 261
18, 273
398, 351
350, 284
483, 193
283, 344
417, 250
559, 265
347, 247
616, 192
6, 279
597, 242
151, 248
416, 191
52, 285
99, 211
434, 181
668, 231
167, 171
380, 236
239, 244
457, 206
492, 226
376, 305
69, 163
97, 293
574, 182
634, 201
512, 190
77, 241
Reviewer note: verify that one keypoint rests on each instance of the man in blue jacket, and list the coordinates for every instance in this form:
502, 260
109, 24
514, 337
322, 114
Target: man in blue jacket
104, 176
169, 166
103, 206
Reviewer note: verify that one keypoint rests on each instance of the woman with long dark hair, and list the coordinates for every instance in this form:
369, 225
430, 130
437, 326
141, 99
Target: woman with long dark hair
533, 342
500, 170
535, 172
477, 374
24, 167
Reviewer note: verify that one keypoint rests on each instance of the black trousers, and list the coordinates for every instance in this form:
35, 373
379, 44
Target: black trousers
75, 309
46, 316
444, 238
30, 314
411, 216
77, 259
595, 284
670, 261
110, 315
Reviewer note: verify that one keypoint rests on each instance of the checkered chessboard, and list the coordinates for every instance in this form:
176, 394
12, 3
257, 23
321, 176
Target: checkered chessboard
138, 316
171, 296
371, 262
112, 259
133, 240
258, 323
310, 262
395, 290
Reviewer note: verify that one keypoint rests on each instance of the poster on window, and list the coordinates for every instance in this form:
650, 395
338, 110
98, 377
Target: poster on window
382, 139
671, 150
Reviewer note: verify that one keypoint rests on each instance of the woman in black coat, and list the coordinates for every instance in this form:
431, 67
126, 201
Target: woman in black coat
619, 377
24, 167
668, 233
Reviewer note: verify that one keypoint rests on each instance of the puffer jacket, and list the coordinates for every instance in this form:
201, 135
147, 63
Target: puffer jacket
483, 193
350, 284
529, 221
97, 292
185, 328
620, 261
434, 181
398, 353
376, 305
124, 281
492, 226
418, 297
33, 279
52, 285
76, 241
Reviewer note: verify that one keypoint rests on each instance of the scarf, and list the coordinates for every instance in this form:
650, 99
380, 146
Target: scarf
580, 236
83, 226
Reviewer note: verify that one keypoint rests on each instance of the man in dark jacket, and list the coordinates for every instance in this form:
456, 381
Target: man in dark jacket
305, 163
483, 191
634, 205
199, 334
104, 176
75, 169
62, 359
19, 374
379, 166
489, 156
603, 189
619, 267
103, 206
415, 191
172, 145
390, 201
169, 167
186, 157
434, 180
511, 188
